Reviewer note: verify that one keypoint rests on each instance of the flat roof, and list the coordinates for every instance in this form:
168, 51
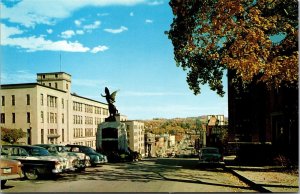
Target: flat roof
87, 98
24, 85
59, 72
31, 85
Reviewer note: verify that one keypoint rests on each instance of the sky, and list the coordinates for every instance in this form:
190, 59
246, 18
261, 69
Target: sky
119, 44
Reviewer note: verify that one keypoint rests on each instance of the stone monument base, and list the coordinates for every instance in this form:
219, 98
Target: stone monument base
111, 137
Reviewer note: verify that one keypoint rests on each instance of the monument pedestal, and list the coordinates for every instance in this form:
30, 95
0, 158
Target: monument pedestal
111, 137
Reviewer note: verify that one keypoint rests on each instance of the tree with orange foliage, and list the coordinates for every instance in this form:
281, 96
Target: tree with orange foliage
258, 39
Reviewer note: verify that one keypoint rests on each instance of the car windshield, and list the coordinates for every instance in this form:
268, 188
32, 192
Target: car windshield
39, 152
61, 149
210, 151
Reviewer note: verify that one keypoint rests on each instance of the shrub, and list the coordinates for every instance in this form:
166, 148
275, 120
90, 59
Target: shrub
11, 135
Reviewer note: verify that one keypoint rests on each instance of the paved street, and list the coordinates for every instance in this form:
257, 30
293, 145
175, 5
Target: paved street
162, 175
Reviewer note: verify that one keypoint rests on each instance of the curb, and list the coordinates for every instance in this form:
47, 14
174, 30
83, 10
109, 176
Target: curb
247, 181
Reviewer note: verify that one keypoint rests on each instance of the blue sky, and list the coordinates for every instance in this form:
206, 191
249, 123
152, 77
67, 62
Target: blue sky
119, 44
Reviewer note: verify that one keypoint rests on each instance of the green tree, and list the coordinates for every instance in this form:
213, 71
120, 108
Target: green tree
11, 135
257, 39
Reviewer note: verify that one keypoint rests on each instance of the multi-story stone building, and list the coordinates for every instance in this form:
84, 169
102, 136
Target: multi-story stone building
49, 113
136, 136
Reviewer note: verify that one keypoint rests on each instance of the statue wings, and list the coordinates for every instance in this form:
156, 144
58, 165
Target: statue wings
113, 95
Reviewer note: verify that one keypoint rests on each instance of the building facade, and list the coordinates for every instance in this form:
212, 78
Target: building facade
49, 113
136, 136
258, 115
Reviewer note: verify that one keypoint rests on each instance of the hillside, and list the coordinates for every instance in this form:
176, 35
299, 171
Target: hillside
173, 126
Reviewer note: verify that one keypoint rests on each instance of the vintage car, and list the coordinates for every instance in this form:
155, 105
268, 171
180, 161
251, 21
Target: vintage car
78, 160
10, 169
210, 155
95, 157
35, 160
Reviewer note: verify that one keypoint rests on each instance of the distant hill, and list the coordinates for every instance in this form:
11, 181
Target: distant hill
175, 125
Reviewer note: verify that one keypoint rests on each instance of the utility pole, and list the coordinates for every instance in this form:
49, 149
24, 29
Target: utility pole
59, 61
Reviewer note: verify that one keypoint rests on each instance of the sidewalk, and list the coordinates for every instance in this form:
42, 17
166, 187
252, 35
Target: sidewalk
267, 178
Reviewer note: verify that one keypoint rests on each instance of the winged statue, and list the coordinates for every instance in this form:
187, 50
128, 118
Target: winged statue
111, 98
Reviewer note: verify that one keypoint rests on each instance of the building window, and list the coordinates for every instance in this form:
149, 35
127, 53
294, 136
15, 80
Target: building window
42, 135
13, 117
2, 118
47, 117
42, 99
62, 118
67, 86
51, 117
42, 116
43, 76
62, 135
3, 101
55, 85
62, 103
56, 75
13, 102
51, 101
28, 99
28, 117
50, 84
55, 118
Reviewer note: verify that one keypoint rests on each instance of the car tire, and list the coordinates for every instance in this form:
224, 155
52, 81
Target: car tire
31, 174
3, 182
80, 169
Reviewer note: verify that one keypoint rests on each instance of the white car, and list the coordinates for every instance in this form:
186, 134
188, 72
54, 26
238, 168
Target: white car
78, 161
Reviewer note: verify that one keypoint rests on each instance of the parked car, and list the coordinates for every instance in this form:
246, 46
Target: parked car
95, 157
210, 155
36, 160
78, 160
10, 169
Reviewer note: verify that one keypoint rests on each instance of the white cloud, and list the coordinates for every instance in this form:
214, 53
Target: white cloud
50, 31
116, 31
77, 22
131, 14
34, 43
30, 13
156, 3
80, 32
95, 25
67, 34
9, 31
148, 21
99, 49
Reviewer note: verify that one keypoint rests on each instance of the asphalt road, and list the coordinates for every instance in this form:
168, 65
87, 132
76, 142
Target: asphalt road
157, 175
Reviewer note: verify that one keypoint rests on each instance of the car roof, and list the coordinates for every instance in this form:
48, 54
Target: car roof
73, 145
209, 148
23, 146
48, 145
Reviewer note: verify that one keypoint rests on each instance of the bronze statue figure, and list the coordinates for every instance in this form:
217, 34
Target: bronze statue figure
110, 98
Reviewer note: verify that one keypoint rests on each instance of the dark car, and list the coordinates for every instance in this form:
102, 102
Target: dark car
95, 157
210, 155
35, 160
10, 169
